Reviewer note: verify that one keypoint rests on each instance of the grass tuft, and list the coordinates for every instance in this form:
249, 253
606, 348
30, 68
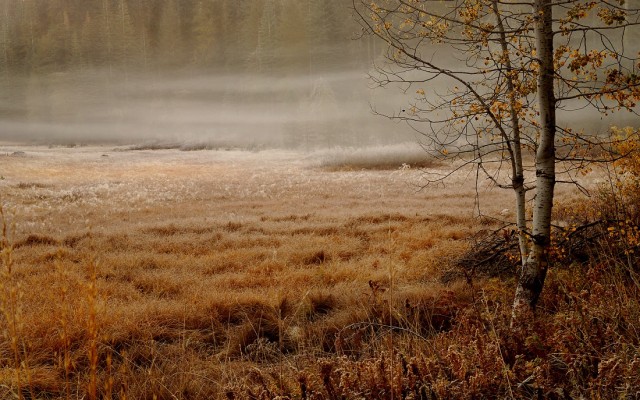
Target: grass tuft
400, 156
36, 240
258, 277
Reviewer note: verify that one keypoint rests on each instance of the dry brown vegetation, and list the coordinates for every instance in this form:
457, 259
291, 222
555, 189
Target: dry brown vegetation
224, 274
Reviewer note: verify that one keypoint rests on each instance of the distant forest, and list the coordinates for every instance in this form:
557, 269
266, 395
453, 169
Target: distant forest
254, 36
286, 73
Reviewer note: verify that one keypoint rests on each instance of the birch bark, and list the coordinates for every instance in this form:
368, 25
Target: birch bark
534, 269
515, 143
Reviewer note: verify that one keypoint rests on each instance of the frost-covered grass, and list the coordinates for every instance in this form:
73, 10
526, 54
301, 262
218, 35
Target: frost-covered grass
404, 155
197, 145
203, 260
222, 274
183, 146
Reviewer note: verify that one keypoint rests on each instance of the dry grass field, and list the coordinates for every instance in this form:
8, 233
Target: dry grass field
183, 275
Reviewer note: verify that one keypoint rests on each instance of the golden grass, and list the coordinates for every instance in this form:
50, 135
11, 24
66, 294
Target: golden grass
208, 264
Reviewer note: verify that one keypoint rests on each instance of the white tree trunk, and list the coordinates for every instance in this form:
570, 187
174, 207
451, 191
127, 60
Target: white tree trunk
534, 270
515, 143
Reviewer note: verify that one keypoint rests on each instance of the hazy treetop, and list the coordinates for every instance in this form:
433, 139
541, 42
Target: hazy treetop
252, 35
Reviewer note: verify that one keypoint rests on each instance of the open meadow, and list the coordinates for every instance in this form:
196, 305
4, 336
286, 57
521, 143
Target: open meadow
227, 274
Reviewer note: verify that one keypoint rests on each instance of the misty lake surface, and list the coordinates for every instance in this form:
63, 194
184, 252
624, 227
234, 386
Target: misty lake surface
250, 74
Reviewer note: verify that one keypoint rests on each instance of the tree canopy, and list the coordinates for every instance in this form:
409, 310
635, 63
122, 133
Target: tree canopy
256, 35
491, 78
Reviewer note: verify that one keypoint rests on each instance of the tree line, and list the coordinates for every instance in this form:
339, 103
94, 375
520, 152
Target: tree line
265, 36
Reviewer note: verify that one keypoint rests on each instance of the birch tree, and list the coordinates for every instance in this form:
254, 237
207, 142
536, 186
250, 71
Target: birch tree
490, 78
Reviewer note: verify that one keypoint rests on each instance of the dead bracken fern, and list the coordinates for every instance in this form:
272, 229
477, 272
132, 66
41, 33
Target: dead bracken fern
491, 254
213, 289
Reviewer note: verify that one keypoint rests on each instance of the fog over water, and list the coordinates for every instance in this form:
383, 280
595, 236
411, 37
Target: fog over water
199, 108
209, 73
215, 73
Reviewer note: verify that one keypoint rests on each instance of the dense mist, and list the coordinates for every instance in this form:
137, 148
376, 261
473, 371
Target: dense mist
196, 73
249, 73
198, 109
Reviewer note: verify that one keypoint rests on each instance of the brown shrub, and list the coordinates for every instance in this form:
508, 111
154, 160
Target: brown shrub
36, 240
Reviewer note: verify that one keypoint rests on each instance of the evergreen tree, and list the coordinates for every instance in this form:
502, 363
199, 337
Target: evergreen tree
206, 32
249, 20
92, 40
229, 21
46, 41
265, 52
126, 48
344, 34
5, 41
319, 32
25, 33
77, 59
107, 32
261, 35
293, 38
169, 49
